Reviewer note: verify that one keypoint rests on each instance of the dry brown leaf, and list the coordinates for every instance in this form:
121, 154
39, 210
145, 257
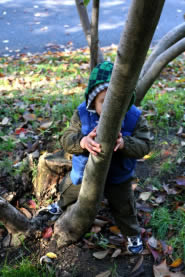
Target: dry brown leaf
26, 212
116, 253
176, 263
104, 274
100, 222
145, 195
29, 116
101, 254
95, 229
115, 230
162, 270
138, 268
46, 124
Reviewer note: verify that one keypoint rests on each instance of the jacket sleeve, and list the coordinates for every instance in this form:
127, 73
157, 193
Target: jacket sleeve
70, 140
139, 144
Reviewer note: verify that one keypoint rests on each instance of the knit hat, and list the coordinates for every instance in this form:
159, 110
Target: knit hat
98, 81
99, 75
96, 90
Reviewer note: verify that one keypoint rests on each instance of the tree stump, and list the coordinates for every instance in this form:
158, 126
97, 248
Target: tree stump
50, 171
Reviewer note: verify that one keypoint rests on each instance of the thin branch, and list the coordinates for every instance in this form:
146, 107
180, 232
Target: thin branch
94, 34
159, 63
84, 19
13, 220
167, 41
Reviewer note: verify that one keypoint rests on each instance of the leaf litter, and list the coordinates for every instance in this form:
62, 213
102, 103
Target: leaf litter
36, 92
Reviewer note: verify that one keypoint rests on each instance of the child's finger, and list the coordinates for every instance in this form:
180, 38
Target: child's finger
117, 146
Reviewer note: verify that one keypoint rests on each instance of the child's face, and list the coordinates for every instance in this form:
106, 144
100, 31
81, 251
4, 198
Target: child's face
99, 101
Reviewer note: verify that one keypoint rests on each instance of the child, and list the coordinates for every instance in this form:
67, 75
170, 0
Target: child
133, 143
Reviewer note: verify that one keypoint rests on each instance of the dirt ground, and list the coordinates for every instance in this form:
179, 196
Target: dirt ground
77, 260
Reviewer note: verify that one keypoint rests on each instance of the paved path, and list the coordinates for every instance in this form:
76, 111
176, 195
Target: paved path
35, 25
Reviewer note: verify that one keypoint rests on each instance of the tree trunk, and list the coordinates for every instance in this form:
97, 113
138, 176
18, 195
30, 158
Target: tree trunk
94, 34
134, 43
150, 76
82, 11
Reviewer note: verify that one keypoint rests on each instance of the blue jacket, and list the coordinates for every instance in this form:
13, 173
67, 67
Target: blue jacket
121, 169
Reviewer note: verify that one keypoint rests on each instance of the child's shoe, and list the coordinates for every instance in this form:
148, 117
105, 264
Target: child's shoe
135, 244
52, 209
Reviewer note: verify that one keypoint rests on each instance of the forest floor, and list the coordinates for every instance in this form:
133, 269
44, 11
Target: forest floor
38, 96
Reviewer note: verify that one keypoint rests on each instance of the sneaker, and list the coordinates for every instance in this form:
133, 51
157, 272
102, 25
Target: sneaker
52, 209
135, 244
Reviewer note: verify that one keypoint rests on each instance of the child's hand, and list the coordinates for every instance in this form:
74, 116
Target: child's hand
119, 142
88, 143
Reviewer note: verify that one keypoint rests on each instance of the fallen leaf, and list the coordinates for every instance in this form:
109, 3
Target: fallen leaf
156, 255
32, 204
169, 190
101, 254
162, 270
26, 212
145, 195
176, 263
100, 222
180, 181
180, 131
138, 268
18, 131
116, 253
46, 124
152, 242
5, 121
160, 199
115, 230
104, 274
47, 233
95, 229
29, 116
182, 143
51, 255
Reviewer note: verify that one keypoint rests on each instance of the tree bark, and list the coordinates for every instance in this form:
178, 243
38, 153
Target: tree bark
94, 34
154, 70
167, 41
134, 43
84, 19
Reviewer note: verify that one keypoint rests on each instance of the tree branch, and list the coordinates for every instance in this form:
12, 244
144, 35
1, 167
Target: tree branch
13, 220
168, 40
84, 19
145, 83
94, 34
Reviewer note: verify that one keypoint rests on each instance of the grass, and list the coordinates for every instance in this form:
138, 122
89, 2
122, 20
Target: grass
49, 88
25, 268
165, 221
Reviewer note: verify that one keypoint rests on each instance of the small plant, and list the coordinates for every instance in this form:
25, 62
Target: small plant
167, 167
114, 270
161, 222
